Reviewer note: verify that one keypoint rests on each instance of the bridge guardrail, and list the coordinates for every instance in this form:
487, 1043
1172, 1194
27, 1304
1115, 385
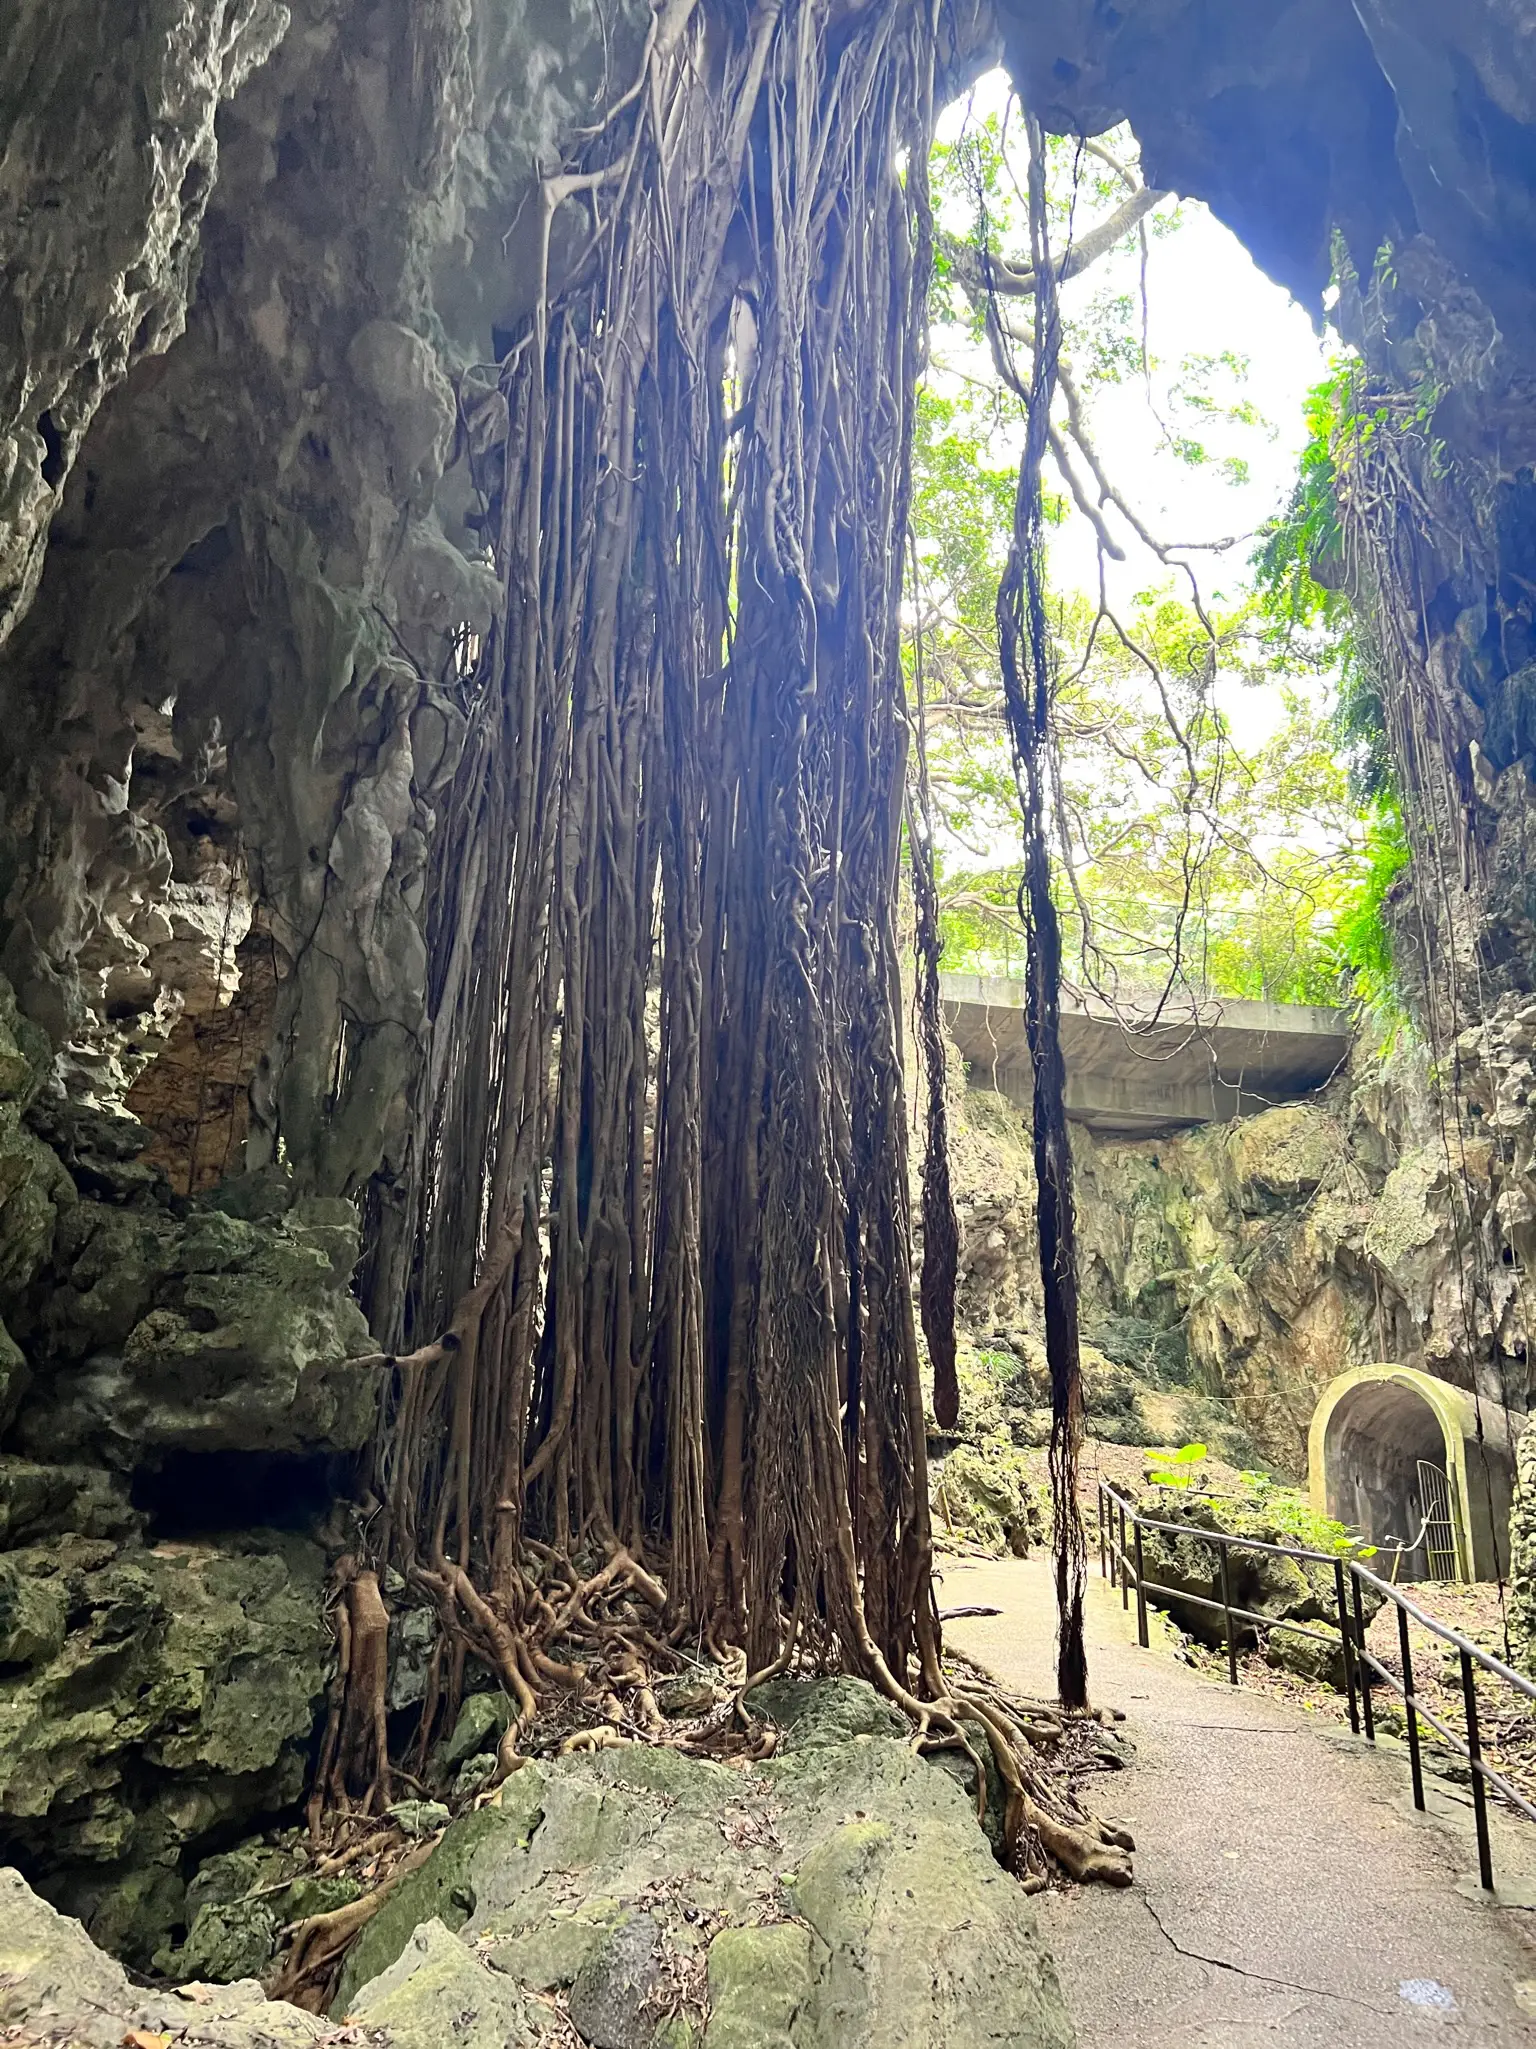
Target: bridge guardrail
1121, 1525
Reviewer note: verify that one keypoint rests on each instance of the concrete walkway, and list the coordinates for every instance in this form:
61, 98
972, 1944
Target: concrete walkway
1286, 1891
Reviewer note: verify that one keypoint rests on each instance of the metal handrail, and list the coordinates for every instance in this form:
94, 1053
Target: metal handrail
1122, 1563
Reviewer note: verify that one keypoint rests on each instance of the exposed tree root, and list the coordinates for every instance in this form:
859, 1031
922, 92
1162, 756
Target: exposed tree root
317, 1945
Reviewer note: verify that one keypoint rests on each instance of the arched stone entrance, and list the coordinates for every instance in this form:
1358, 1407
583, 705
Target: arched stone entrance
1382, 1437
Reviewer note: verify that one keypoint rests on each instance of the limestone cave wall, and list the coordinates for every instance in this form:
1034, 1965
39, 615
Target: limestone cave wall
250, 251
1255, 1261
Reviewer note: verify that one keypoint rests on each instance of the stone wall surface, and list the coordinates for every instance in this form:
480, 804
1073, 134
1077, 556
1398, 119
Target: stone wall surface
173, 1376
110, 153
248, 250
239, 677
1255, 1261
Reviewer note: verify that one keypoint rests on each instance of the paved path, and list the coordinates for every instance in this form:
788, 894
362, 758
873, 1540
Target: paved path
1286, 1893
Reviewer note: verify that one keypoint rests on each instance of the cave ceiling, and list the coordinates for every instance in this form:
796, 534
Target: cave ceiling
1382, 118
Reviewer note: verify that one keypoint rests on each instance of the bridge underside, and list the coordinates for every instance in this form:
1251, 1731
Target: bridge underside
1232, 1060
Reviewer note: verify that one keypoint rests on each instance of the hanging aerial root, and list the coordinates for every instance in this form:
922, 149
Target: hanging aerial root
354, 1755
662, 1162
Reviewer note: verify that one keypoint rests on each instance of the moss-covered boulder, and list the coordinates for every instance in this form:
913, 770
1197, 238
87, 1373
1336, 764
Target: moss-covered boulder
838, 1896
831, 1711
235, 1905
225, 1944
33, 1608
982, 1494
760, 1981
211, 1333
38, 1501
1318, 1656
480, 1725
447, 1887
438, 1991
15, 1377
180, 1703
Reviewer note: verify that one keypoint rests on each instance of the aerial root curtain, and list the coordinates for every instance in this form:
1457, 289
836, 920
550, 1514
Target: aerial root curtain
661, 1302
657, 1328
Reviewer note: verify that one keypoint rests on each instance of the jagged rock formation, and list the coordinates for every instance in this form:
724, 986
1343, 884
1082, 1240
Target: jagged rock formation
239, 674
839, 1896
56, 1984
177, 1378
1388, 120
1282, 1589
1255, 1261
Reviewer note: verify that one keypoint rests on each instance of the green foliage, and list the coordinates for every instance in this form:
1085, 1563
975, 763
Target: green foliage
1290, 1511
1255, 921
1298, 564
1299, 573
1178, 1469
962, 510
1362, 940
1179, 849
1258, 1505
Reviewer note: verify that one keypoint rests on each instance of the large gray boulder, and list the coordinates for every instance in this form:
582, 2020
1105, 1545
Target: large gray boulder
56, 1986
838, 1896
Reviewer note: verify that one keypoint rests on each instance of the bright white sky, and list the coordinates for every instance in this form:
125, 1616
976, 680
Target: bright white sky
1205, 296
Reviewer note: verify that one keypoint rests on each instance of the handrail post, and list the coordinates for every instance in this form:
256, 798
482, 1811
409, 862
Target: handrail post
1413, 1718
1102, 1571
1368, 1713
1226, 1609
1141, 1600
1125, 1577
1348, 1647
1475, 1758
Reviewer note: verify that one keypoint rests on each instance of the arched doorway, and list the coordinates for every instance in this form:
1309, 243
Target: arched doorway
1396, 1454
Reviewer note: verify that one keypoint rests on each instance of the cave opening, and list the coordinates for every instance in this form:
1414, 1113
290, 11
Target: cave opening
1420, 1468
190, 1494
1387, 1456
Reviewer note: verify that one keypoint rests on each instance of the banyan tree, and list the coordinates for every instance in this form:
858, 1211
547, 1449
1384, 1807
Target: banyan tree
655, 1365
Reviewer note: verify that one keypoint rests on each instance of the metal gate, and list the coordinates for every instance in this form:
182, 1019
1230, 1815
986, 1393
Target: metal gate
1439, 1521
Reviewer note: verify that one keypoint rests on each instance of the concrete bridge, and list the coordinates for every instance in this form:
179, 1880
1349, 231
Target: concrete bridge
1234, 1058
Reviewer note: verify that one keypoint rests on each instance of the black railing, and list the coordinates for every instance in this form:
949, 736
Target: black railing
1121, 1560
